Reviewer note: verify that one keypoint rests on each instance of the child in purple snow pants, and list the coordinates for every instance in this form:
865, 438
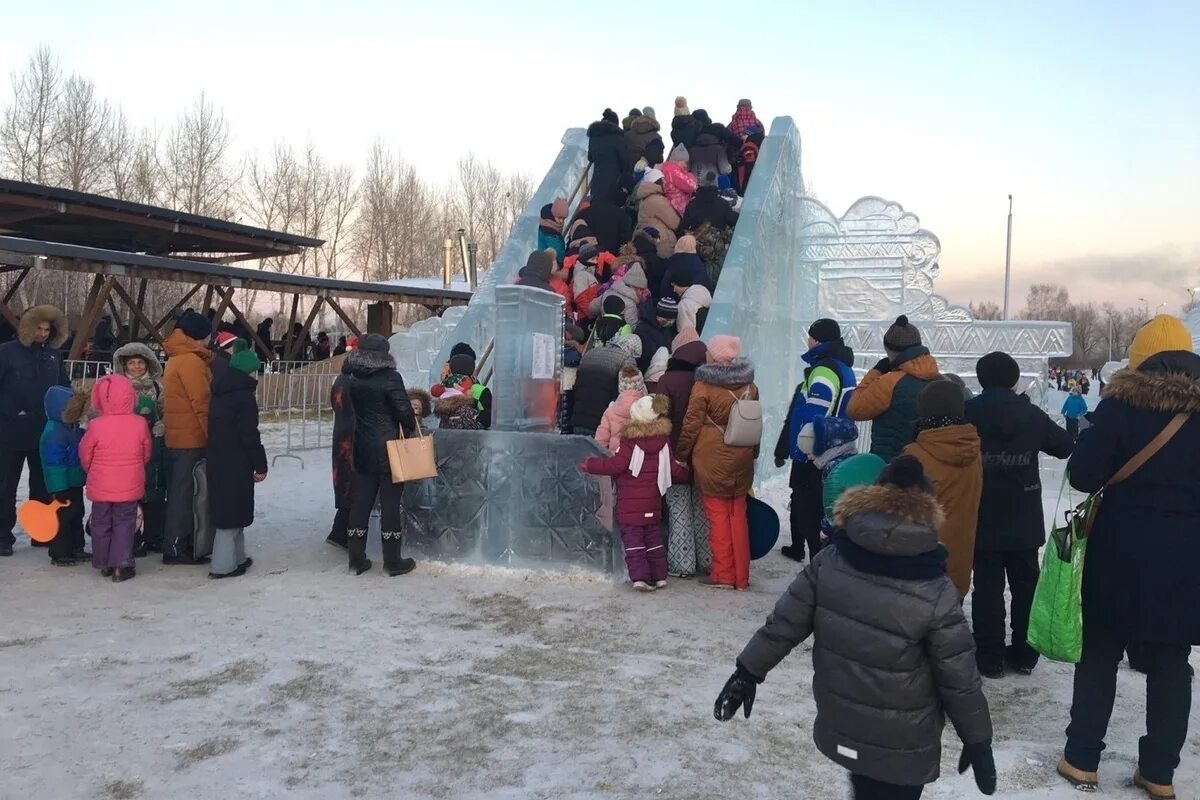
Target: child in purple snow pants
645, 556
113, 527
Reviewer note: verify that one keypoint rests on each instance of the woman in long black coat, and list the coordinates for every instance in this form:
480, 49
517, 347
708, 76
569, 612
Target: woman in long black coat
381, 409
612, 175
1141, 579
236, 461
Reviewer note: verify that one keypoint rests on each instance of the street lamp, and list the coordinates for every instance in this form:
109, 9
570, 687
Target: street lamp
1145, 307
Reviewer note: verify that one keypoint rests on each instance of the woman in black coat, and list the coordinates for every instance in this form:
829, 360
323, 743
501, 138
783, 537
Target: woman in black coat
381, 410
607, 150
342, 450
236, 461
1141, 577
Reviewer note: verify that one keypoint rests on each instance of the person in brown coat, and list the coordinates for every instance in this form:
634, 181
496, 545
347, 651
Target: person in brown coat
187, 390
655, 211
723, 473
948, 448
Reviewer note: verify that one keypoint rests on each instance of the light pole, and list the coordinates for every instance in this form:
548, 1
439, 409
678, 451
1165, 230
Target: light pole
1145, 308
1008, 259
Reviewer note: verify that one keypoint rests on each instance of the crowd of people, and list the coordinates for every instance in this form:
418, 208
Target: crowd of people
946, 501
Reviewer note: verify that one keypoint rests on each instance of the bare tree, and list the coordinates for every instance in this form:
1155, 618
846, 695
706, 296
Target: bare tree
196, 175
81, 137
1046, 301
1088, 329
986, 310
27, 132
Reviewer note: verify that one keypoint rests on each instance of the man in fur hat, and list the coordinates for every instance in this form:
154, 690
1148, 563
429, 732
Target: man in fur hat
29, 366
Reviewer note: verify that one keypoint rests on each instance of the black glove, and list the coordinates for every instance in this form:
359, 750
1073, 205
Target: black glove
779, 462
739, 691
884, 366
979, 758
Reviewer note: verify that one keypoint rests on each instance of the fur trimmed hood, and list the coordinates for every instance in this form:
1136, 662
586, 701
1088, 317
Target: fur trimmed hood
738, 372
364, 362
447, 406
37, 315
421, 396
647, 430
889, 520
137, 350
1168, 382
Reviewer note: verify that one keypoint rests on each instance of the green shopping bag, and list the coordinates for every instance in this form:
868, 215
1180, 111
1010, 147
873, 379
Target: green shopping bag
1056, 619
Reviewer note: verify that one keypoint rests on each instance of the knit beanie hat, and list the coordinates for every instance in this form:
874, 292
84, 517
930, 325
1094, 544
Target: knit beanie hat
681, 106
610, 116
462, 364
960, 383
997, 371
648, 111
679, 153
1162, 334
224, 339
559, 208
658, 364
905, 472
825, 330
635, 278
246, 361
374, 342
702, 116
902, 335
461, 348
631, 380
196, 326
613, 304
825, 433
941, 398
649, 408
743, 103
632, 345
686, 244
723, 349
667, 308
685, 336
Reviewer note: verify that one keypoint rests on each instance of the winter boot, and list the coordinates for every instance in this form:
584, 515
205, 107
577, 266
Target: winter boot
401, 567
642, 586
794, 552
122, 574
356, 545
1155, 791
1082, 780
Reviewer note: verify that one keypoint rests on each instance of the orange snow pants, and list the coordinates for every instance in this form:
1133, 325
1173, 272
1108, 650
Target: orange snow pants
729, 535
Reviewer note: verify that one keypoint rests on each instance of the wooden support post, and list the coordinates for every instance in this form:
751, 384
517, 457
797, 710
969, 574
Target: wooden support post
175, 308
15, 285
9, 315
97, 297
290, 354
116, 314
136, 313
286, 339
264, 347
226, 295
137, 321
208, 294
337, 309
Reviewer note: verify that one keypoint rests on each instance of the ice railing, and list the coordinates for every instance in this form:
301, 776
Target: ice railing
761, 296
475, 325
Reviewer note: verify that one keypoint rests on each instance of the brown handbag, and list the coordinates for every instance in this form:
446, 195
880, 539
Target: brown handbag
412, 458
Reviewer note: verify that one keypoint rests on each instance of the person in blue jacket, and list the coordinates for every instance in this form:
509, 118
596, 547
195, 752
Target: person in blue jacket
1073, 408
828, 382
63, 472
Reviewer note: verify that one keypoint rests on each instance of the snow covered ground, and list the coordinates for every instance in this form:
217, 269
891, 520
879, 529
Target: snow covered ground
302, 681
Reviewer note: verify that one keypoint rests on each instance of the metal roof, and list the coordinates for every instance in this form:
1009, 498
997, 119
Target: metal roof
27, 252
34, 211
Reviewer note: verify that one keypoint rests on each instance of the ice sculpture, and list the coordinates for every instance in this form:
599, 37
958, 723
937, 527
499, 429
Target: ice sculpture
515, 499
528, 357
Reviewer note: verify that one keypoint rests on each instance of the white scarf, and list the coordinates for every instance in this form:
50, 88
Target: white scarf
664, 467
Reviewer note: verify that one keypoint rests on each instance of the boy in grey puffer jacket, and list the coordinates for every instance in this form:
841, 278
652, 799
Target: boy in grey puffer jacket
893, 654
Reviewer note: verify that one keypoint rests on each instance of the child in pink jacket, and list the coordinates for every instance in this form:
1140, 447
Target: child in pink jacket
114, 453
679, 184
632, 388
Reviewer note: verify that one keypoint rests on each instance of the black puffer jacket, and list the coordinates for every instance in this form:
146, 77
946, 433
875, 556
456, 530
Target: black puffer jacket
685, 129
235, 451
611, 226
893, 654
381, 409
1012, 432
27, 370
1142, 576
652, 334
707, 206
609, 152
596, 384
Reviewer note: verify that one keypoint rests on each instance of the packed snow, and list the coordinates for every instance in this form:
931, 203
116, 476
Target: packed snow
303, 681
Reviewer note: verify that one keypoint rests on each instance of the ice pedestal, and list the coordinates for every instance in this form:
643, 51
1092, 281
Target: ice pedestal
528, 355
513, 499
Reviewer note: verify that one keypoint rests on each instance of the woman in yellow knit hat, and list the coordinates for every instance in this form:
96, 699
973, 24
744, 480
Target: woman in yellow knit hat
1141, 580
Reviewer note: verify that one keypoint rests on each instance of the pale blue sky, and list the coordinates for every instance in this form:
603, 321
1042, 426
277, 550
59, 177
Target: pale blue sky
1089, 113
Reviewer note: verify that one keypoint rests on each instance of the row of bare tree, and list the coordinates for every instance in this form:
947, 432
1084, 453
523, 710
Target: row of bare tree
1102, 332
384, 224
